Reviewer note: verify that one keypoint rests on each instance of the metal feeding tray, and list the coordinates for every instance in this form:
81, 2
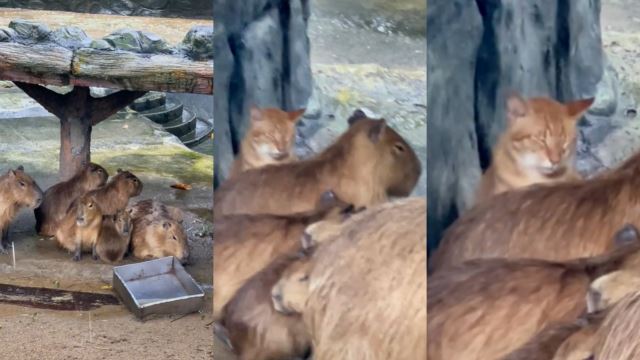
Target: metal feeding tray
159, 286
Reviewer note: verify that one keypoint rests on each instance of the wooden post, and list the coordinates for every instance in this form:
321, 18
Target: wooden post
78, 113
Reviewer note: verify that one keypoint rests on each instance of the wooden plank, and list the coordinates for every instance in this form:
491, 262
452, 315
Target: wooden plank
54, 65
37, 64
141, 72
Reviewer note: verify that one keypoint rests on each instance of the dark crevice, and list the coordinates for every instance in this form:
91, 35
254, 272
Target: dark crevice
285, 18
562, 48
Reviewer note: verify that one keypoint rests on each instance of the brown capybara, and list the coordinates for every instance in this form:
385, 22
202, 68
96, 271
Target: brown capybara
487, 308
607, 290
17, 190
155, 209
367, 164
115, 236
156, 238
244, 244
116, 193
366, 290
255, 329
57, 198
79, 229
618, 338
563, 221
560, 341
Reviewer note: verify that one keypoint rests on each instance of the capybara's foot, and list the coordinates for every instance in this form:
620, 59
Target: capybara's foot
94, 257
77, 257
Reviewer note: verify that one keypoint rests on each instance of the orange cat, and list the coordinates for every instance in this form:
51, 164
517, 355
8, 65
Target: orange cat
538, 145
269, 139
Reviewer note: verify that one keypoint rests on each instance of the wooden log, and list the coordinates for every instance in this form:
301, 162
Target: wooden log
143, 72
36, 64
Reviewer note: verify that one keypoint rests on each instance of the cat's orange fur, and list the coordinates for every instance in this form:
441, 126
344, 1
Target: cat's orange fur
538, 145
269, 139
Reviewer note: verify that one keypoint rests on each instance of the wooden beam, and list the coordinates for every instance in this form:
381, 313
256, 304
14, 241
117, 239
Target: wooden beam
54, 65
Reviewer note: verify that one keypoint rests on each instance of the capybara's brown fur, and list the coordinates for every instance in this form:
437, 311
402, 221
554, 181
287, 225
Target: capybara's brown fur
156, 238
487, 308
256, 330
563, 221
115, 236
366, 165
607, 290
245, 244
619, 336
79, 229
116, 193
156, 209
57, 198
17, 190
367, 288
560, 341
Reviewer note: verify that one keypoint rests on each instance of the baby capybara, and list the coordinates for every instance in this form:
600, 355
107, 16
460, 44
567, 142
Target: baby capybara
158, 238
115, 236
57, 198
366, 165
116, 194
79, 228
255, 329
17, 190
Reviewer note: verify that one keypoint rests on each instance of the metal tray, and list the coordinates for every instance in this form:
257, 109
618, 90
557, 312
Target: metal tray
159, 286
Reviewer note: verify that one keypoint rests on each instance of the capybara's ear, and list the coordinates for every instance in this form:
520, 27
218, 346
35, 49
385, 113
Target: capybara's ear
627, 235
356, 116
575, 109
294, 116
20, 168
12, 173
377, 130
119, 170
517, 107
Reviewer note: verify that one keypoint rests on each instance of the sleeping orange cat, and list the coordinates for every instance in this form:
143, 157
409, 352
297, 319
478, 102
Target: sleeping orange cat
269, 139
538, 145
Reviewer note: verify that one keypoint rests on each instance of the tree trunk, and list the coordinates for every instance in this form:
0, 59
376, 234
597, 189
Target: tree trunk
75, 145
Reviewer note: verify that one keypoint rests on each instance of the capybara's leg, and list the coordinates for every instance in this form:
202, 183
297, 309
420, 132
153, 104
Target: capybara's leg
94, 254
4, 242
77, 254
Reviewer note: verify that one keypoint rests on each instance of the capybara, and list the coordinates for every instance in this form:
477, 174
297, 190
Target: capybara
563, 221
17, 190
115, 236
155, 238
606, 290
256, 330
155, 209
57, 198
245, 244
619, 336
561, 341
79, 229
116, 193
487, 308
366, 165
367, 288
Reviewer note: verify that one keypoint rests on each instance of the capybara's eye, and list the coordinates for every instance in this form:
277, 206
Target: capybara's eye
21, 183
399, 147
90, 205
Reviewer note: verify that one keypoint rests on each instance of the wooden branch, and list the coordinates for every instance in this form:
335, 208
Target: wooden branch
101, 108
52, 101
32, 63
54, 65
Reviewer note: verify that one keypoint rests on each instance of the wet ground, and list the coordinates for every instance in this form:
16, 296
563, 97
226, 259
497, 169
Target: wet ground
97, 26
30, 137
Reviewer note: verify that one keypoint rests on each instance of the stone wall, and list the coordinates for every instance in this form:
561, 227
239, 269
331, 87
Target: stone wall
479, 50
194, 9
261, 57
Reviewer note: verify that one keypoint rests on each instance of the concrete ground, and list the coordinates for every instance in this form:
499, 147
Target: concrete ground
30, 138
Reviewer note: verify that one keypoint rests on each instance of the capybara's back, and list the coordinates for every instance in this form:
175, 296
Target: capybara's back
366, 165
116, 193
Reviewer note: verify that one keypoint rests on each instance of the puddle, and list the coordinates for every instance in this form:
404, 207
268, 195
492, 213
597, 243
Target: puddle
53, 299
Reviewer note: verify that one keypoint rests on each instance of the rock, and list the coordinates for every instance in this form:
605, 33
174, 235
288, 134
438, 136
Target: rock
101, 45
30, 30
606, 93
153, 44
454, 166
71, 37
7, 34
138, 41
261, 58
198, 43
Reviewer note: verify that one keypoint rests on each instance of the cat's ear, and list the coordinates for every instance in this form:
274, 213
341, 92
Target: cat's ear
294, 116
517, 107
577, 108
256, 114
